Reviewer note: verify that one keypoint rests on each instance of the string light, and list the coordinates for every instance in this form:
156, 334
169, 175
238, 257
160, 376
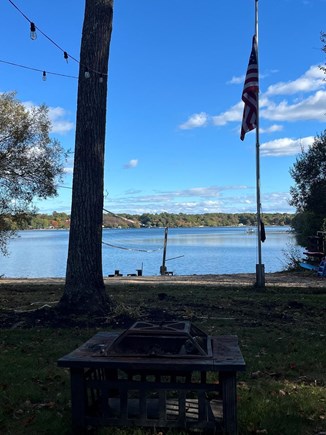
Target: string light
33, 34
65, 53
44, 76
38, 70
32, 25
87, 75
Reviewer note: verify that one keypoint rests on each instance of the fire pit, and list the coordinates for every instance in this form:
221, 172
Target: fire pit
161, 375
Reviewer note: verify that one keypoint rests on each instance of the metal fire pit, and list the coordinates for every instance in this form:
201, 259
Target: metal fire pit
162, 375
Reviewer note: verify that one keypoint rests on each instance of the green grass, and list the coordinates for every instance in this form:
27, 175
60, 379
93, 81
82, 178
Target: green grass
281, 333
34, 392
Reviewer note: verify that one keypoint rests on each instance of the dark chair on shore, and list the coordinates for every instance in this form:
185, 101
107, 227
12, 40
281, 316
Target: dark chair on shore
116, 273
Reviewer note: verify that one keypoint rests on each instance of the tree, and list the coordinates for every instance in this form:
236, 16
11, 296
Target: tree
30, 162
308, 195
84, 287
323, 40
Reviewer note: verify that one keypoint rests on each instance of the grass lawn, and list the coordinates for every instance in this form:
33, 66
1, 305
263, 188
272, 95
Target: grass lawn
282, 336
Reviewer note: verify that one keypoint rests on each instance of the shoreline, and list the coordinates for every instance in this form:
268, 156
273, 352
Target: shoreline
278, 279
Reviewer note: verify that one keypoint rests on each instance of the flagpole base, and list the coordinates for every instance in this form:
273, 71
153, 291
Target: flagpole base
260, 275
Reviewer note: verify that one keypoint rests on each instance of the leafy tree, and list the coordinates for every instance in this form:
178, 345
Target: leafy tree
84, 287
30, 162
308, 194
145, 219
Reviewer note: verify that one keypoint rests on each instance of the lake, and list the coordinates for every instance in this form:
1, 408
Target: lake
43, 253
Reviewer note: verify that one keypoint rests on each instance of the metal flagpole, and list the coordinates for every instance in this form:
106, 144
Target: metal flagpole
260, 267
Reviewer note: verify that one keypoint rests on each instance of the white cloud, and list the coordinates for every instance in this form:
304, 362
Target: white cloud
133, 191
311, 108
202, 192
196, 120
236, 80
59, 125
277, 202
311, 80
131, 164
233, 114
181, 202
69, 168
285, 146
271, 129
28, 104
191, 200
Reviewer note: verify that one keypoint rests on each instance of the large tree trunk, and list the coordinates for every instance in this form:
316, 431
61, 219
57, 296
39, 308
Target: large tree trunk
84, 287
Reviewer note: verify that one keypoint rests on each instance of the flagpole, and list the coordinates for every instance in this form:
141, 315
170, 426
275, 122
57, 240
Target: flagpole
260, 267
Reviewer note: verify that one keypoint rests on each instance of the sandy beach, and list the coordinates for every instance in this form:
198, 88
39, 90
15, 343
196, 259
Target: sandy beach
279, 279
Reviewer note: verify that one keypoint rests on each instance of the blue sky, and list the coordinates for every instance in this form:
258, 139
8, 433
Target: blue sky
176, 73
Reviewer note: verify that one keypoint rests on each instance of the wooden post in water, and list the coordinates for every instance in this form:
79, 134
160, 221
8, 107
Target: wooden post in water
163, 267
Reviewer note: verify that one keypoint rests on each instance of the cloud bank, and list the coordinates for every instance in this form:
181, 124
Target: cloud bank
212, 199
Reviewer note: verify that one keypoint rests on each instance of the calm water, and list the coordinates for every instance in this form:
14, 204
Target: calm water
43, 253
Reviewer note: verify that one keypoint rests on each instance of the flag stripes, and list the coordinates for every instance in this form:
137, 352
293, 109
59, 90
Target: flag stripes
250, 93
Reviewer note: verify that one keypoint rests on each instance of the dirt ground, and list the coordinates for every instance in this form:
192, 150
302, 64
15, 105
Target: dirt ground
282, 279
31, 302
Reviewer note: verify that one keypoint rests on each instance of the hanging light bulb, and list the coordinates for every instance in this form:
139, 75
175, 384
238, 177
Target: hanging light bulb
33, 34
65, 55
87, 75
44, 76
100, 79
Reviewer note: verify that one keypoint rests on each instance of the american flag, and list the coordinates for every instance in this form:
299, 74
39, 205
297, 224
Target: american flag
250, 93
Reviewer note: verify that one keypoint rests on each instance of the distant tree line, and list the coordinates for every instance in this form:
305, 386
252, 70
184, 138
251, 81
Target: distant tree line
207, 219
62, 220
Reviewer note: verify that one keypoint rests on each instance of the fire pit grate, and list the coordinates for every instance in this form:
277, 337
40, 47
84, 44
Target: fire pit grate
165, 339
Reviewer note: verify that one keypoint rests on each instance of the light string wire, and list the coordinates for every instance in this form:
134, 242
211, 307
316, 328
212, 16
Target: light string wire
43, 33
65, 53
38, 70
124, 219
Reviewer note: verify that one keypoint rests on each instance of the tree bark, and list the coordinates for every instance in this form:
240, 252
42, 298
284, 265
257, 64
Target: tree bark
84, 287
